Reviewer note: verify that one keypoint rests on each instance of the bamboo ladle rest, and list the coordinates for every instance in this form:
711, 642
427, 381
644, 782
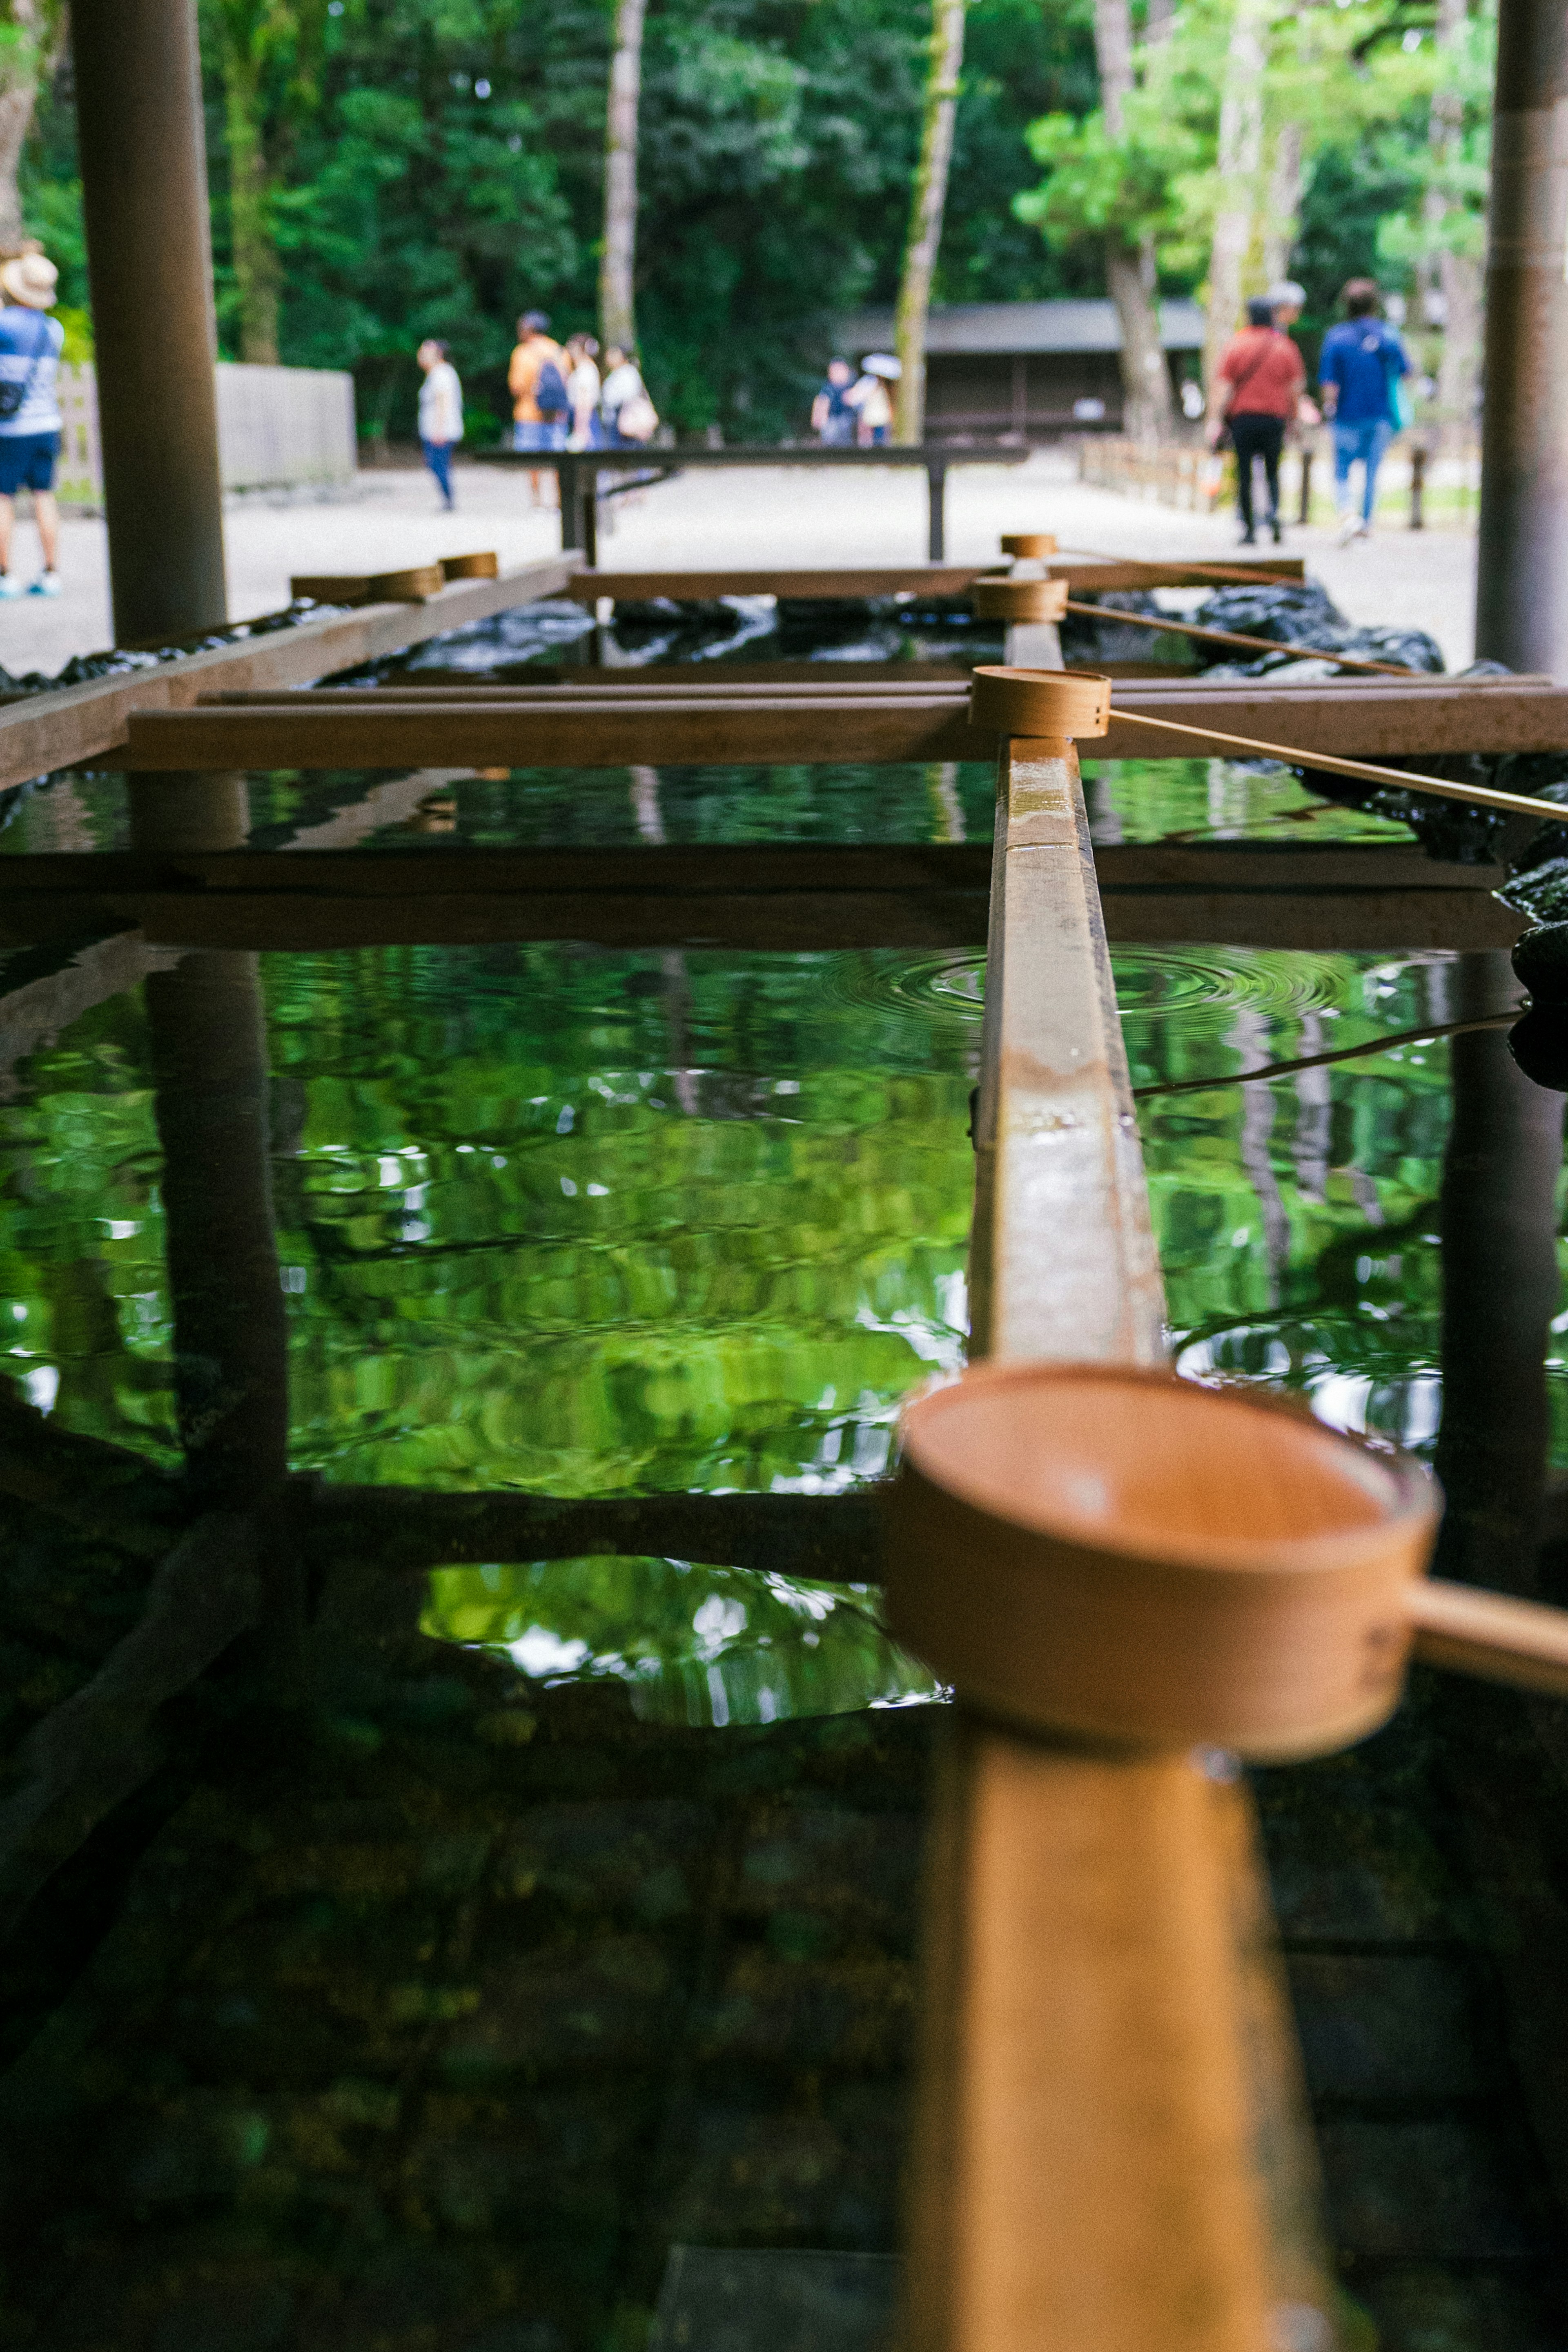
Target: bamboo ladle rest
1120, 1554
1044, 704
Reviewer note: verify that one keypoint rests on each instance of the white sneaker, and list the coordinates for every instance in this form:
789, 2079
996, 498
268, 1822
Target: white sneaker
1350, 528
9, 585
47, 583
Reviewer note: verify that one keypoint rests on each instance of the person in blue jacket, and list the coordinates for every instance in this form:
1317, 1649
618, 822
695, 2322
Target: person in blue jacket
1363, 361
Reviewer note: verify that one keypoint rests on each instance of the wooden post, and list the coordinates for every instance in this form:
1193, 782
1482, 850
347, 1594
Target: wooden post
1522, 587
1108, 2151
144, 194
936, 501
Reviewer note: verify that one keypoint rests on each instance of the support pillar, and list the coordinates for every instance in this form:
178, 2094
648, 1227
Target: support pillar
144, 194
1521, 603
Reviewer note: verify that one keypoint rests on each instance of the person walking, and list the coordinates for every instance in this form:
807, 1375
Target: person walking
440, 414
832, 418
1258, 391
30, 419
583, 390
871, 400
536, 378
1360, 372
631, 419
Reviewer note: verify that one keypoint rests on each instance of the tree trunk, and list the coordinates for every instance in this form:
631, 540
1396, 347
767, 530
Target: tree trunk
1458, 275
1238, 163
38, 29
1145, 378
256, 265
617, 306
1130, 272
1284, 209
926, 214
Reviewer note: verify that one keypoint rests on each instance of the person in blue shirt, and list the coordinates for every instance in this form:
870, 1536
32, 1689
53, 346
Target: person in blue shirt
832, 418
1363, 361
30, 427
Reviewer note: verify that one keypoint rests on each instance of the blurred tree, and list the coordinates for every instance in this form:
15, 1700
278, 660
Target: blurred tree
617, 313
32, 41
268, 53
929, 202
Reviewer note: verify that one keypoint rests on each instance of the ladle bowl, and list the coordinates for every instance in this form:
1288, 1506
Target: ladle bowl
1004, 599
1039, 704
1122, 1554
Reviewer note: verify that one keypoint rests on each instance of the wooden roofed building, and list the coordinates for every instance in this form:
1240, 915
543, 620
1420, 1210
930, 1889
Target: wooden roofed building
1026, 371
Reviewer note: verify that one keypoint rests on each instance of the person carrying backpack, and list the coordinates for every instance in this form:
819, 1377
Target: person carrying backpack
1362, 364
30, 419
541, 408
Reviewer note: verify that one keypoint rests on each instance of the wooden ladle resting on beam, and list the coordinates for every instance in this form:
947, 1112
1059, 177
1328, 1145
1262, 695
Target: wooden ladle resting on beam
1144, 1559
1052, 705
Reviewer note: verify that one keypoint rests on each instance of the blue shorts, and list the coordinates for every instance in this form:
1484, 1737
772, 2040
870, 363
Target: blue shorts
544, 433
27, 462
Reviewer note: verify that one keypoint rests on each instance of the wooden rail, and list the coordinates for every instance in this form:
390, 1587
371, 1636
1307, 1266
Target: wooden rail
623, 724
1090, 576
61, 727
1109, 2147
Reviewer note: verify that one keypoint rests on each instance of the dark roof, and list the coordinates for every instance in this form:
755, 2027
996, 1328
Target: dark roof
1009, 327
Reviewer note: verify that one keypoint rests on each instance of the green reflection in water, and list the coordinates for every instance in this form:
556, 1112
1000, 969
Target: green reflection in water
1297, 1219
696, 1645
582, 1223
1219, 799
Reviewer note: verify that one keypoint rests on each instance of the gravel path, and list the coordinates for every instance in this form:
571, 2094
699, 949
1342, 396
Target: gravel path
711, 519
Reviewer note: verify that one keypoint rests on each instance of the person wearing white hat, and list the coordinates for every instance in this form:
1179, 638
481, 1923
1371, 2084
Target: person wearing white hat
868, 398
30, 420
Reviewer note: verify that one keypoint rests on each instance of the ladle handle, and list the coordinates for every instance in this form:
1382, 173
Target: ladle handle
1487, 1634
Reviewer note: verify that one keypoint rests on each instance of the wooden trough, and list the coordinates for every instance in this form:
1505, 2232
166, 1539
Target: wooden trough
1109, 2151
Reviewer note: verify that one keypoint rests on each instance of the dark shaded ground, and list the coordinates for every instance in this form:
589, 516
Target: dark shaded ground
429, 2010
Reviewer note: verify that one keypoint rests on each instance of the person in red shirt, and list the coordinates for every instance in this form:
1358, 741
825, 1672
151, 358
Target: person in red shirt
1258, 390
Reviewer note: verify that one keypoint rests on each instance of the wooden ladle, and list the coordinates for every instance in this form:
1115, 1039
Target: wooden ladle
1122, 1554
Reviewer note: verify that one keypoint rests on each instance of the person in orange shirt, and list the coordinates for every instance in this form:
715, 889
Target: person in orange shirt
536, 381
541, 410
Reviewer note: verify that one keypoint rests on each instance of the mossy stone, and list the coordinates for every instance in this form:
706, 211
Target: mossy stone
1539, 1045
1541, 962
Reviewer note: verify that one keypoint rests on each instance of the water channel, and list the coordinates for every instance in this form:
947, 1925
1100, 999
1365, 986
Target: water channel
441, 1969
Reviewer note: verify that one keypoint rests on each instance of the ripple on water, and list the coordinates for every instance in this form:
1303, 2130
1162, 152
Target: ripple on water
946, 985
1225, 980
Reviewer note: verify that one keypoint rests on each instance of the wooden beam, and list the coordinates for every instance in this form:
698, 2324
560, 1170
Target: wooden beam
1086, 576
1108, 2146
57, 729
618, 726
408, 1531
778, 895
99, 1745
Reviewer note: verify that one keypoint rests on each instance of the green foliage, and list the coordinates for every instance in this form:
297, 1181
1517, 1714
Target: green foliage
1098, 187
433, 165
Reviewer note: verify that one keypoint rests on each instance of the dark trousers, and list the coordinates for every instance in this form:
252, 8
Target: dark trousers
1257, 436
438, 457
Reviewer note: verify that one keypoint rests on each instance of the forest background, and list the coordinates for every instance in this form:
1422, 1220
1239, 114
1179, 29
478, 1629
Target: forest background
384, 170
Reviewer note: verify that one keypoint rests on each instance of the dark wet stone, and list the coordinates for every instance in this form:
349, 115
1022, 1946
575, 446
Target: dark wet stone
1541, 963
1539, 1045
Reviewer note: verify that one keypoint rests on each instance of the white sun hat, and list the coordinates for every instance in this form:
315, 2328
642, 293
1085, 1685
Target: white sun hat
30, 279
884, 365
